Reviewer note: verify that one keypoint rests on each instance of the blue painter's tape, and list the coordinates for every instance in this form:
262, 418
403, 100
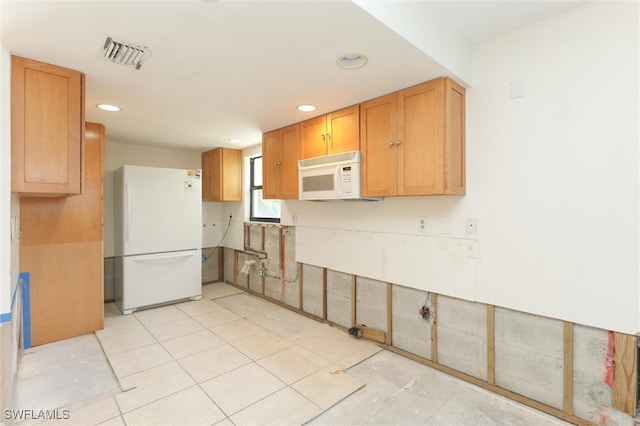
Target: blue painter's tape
6, 317
25, 277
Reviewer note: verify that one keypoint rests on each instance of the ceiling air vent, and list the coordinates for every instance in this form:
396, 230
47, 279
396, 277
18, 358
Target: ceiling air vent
123, 53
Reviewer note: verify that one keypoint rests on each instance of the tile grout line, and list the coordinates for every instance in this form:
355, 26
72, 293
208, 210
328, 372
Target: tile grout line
234, 346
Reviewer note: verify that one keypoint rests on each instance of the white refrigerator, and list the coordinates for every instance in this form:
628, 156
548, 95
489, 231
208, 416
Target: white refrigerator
158, 236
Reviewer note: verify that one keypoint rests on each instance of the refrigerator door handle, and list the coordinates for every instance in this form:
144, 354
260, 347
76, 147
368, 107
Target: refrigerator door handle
166, 256
129, 213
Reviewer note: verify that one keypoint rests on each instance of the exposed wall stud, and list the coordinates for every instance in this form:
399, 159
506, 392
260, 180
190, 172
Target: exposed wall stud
221, 264
389, 336
625, 374
324, 294
567, 366
434, 327
353, 300
300, 287
491, 344
625, 359
283, 267
235, 266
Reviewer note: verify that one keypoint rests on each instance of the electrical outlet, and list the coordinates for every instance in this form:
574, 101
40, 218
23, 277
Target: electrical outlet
422, 224
471, 225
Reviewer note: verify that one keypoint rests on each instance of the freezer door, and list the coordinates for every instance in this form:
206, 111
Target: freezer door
161, 210
159, 278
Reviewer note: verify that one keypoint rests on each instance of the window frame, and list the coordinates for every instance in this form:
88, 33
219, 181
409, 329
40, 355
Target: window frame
252, 189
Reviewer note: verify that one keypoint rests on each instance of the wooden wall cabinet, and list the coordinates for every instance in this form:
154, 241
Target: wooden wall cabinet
47, 128
222, 175
61, 246
413, 141
280, 155
331, 133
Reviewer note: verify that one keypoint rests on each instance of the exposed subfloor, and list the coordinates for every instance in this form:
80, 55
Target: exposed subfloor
233, 358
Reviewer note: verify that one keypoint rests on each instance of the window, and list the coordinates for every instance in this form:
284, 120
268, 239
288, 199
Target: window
261, 210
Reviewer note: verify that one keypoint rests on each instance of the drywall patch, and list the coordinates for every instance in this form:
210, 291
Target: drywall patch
529, 355
410, 332
312, 294
371, 303
339, 298
462, 336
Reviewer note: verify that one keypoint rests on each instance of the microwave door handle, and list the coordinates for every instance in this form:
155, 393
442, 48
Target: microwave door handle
338, 180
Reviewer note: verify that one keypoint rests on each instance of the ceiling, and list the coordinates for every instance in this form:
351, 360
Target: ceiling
221, 70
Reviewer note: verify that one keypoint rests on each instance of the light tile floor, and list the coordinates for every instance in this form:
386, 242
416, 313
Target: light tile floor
235, 359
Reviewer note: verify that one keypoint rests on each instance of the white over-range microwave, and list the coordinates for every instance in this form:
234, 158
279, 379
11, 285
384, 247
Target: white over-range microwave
331, 177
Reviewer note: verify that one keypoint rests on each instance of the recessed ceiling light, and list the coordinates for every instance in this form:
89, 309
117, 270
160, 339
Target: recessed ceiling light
352, 61
235, 140
107, 107
306, 108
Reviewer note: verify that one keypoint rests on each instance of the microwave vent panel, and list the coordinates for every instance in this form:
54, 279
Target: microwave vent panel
349, 156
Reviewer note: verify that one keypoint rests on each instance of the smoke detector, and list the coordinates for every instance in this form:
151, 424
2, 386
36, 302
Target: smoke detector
123, 53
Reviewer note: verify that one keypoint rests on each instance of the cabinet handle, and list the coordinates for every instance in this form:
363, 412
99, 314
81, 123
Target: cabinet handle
328, 136
391, 144
398, 143
322, 136
277, 163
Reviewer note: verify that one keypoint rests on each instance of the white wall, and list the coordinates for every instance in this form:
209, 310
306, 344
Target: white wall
552, 179
9, 244
564, 240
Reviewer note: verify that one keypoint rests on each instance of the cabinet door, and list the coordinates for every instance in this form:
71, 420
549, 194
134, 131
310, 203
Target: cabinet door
271, 157
231, 169
343, 129
216, 175
421, 135
378, 134
313, 137
455, 100
207, 176
47, 128
290, 157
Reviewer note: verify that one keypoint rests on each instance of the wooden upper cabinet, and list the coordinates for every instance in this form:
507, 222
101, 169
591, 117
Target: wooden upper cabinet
47, 128
222, 175
280, 155
271, 155
331, 133
379, 133
413, 142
